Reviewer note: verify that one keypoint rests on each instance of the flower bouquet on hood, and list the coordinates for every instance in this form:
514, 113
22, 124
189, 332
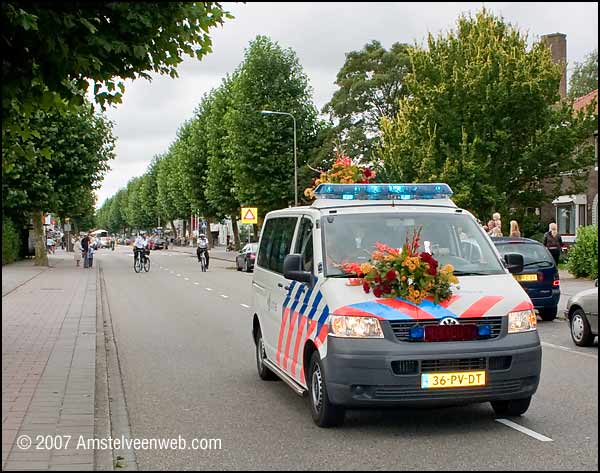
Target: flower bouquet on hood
343, 171
404, 273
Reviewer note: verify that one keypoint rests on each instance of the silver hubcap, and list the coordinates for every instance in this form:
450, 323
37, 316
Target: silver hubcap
317, 384
577, 327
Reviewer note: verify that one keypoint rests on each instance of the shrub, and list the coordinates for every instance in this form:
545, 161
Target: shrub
10, 242
583, 255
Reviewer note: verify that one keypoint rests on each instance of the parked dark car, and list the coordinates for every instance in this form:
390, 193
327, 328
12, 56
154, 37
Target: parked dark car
158, 243
245, 260
539, 278
582, 312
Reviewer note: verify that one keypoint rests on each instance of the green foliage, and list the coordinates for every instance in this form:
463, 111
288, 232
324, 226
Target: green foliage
482, 117
584, 77
220, 189
270, 78
583, 255
10, 242
371, 84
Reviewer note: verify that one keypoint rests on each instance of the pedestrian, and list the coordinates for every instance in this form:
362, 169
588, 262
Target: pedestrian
85, 244
50, 244
514, 229
91, 251
490, 227
497, 221
553, 241
496, 232
78, 250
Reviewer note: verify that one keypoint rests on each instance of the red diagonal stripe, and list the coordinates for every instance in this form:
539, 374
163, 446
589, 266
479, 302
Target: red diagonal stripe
281, 332
289, 339
452, 300
525, 305
406, 308
480, 308
352, 311
297, 344
322, 336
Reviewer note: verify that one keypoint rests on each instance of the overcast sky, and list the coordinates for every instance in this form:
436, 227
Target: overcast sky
320, 33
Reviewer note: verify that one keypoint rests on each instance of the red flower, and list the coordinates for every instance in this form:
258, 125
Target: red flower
377, 292
366, 287
378, 279
386, 288
391, 275
367, 173
432, 263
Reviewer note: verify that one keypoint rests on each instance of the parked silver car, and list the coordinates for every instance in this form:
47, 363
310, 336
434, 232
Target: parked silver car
582, 312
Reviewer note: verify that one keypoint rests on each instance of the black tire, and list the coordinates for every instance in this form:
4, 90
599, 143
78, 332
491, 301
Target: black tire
512, 408
137, 264
237, 266
548, 314
203, 263
324, 413
581, 333
146, 264
246, 267
263, 372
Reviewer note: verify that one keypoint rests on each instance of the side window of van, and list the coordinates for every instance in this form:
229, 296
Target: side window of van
304, 243
276, 243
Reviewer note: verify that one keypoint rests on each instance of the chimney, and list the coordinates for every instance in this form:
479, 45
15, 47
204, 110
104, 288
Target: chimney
557, 42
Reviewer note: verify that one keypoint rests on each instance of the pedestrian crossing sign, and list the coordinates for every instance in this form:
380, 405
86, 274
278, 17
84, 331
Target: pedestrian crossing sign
249, 215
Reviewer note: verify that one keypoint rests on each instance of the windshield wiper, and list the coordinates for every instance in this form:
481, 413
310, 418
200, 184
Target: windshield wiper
343, 275
539, 262
470, 273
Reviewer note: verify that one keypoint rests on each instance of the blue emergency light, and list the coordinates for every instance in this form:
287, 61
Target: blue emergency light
383, 191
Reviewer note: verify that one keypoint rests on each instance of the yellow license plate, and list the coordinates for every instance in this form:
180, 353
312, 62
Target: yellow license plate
526, 277
452, 380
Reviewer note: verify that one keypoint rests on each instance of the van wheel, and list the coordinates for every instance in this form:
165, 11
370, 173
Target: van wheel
580, 329
265, 373
548, 314
514, 407
323, 412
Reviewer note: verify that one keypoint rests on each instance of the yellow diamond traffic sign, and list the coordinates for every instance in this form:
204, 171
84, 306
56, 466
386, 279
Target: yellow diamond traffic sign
249, 215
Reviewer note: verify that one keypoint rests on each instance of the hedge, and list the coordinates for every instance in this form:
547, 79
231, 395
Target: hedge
10, 242
583, 255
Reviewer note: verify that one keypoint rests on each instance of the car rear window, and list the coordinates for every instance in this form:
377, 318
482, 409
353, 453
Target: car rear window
534, 254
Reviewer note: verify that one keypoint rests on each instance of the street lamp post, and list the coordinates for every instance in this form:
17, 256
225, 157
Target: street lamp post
269, 112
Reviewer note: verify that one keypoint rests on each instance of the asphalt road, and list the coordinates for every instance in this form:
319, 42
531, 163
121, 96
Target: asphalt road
187, 360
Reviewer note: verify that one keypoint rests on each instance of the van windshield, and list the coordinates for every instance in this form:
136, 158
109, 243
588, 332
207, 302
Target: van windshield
454, 239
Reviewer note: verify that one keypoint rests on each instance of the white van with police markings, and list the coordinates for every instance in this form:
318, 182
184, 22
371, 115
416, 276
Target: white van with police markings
345, 348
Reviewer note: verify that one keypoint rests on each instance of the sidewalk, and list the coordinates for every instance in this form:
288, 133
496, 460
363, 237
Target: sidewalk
48, 363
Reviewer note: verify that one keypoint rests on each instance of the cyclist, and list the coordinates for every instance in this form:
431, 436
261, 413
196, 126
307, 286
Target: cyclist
202, 248
139, 246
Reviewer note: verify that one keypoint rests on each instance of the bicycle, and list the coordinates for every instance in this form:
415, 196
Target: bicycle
141, 260
203, 261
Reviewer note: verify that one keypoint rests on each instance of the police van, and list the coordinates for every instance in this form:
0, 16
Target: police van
347, 349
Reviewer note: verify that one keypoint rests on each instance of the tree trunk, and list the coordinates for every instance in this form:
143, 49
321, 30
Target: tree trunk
236, 232
41, 258
174, 229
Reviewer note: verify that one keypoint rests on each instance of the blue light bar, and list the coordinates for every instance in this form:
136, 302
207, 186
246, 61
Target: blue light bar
484, 330
383, 191
416, 332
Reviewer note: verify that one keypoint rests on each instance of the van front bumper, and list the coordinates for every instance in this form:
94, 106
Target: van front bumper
372, 372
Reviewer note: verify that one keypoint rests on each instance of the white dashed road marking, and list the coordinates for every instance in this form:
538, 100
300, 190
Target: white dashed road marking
570, 350
187, 279
178, 275
525, 430
224, 296
208, 288
197, 283
246, 306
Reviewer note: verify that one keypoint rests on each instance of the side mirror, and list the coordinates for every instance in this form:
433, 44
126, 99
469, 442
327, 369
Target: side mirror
293, 269
596, 282
514, 262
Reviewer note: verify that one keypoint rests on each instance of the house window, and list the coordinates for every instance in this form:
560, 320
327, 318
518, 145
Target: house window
582, 215
565, 219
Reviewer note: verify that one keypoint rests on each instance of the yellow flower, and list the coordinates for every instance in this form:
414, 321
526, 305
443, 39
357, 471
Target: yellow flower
447, 269
366, 268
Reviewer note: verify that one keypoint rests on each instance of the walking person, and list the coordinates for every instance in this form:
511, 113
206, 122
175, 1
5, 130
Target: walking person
514, 229
553, 241
85, 244
90, 254
77, 251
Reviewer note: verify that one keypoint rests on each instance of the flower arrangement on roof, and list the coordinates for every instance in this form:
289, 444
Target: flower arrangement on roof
343, 171
404, 273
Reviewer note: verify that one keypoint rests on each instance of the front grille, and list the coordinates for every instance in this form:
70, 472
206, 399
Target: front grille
401, 328
465, 364
405, 367
499, 362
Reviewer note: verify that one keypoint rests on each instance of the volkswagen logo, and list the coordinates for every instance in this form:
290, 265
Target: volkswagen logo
449, 321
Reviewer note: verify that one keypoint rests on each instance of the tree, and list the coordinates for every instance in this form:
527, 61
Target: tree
166, 204
482, 116
270, 78
371, 84
220, 188
584, 77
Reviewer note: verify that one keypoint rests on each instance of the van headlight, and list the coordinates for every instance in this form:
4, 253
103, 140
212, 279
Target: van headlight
522, 321
354, 327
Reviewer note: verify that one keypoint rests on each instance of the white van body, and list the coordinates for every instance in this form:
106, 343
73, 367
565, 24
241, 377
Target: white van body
291, 318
